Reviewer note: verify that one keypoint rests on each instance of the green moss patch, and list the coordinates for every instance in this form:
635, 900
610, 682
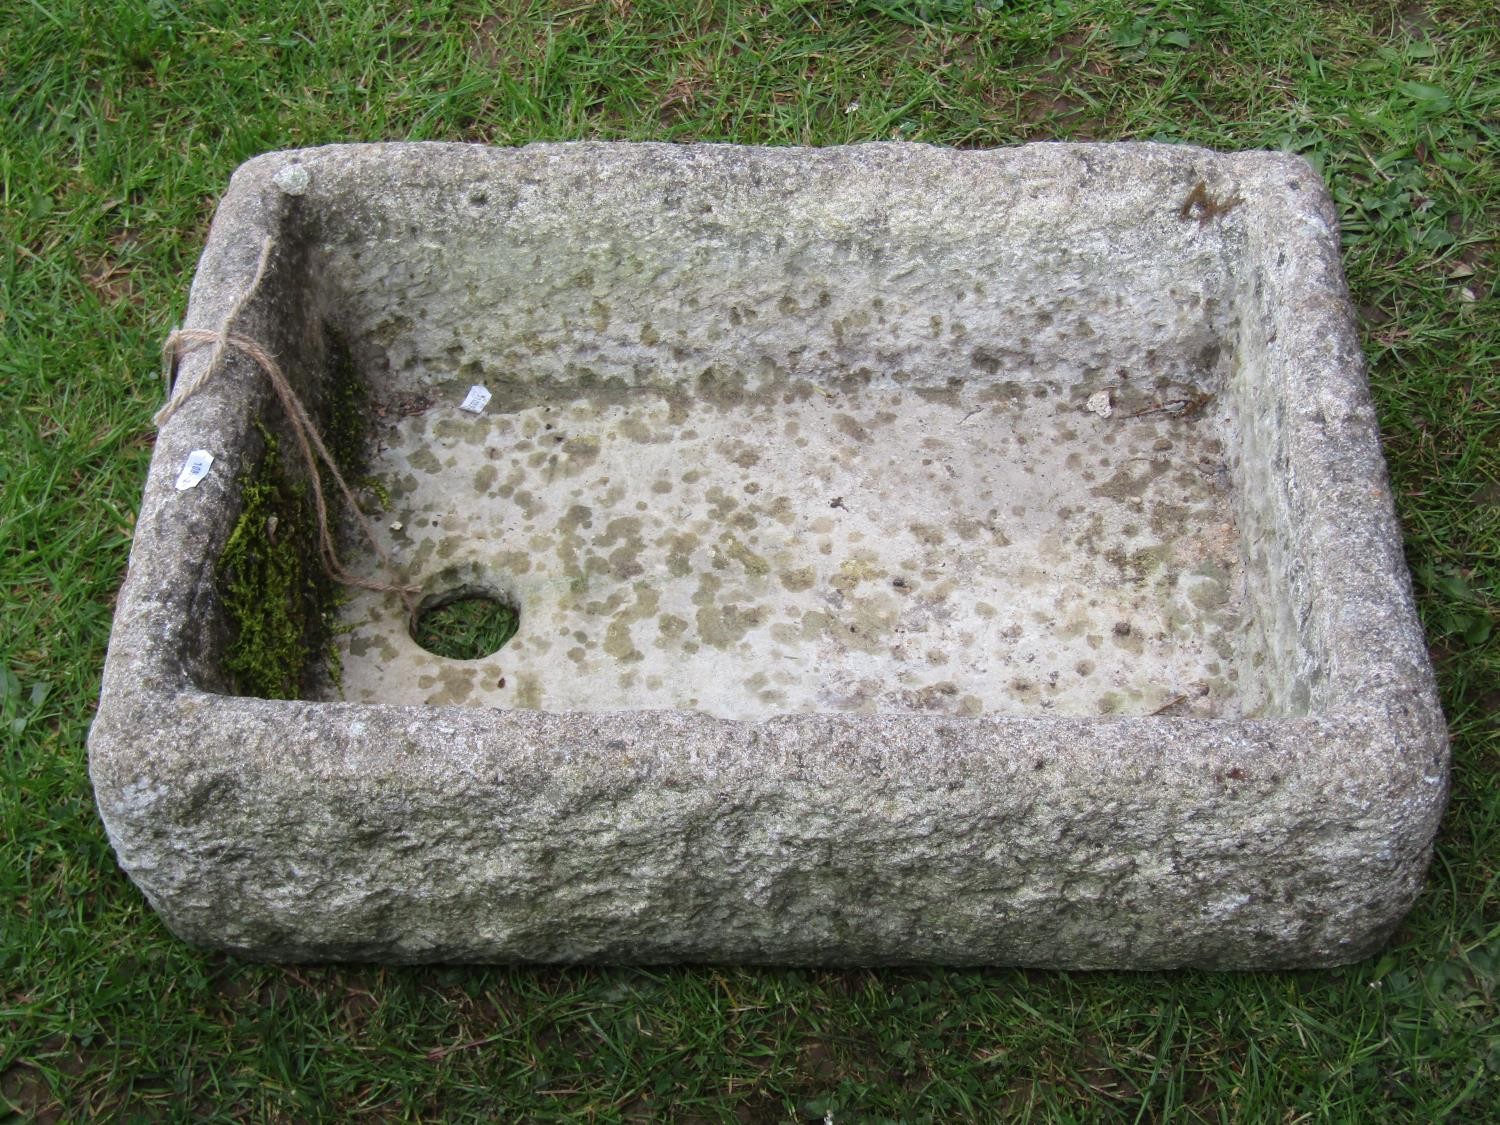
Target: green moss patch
270, 575
272, 585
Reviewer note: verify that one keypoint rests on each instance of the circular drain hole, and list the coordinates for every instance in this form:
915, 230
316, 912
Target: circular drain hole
464, 624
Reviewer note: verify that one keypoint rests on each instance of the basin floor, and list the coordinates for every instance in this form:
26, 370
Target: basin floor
979, 548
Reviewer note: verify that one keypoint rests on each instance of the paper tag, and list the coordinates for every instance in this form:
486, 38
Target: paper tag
194, 469
474, 402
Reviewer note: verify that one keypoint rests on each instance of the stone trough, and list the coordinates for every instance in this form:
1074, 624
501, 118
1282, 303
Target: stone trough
912, 556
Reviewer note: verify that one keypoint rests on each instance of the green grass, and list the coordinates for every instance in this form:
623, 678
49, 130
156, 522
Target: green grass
122, 121
467, 628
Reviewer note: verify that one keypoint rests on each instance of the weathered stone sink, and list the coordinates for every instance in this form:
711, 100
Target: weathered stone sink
919, 556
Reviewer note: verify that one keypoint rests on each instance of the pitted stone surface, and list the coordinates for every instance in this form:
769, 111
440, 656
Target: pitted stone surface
993, 550
921, 556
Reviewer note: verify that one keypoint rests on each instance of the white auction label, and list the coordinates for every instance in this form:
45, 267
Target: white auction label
194, 469
474, 402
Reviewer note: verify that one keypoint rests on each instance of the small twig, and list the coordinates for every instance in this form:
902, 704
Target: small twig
1177, 406
1169, 704
438, 1054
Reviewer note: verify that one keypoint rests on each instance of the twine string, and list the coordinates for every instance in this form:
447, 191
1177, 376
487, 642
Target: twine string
183, 341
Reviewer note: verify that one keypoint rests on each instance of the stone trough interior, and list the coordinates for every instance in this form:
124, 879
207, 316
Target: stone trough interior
973, 449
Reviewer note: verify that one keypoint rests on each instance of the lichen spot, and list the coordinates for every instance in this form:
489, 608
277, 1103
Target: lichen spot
723, 625
798, 579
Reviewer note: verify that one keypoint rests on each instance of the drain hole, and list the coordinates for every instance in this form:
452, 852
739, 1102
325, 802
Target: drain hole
464, 624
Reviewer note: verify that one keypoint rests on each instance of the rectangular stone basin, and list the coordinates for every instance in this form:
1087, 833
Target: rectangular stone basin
915, 556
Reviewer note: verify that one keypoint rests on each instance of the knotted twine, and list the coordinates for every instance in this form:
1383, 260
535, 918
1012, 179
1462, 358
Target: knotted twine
183, 341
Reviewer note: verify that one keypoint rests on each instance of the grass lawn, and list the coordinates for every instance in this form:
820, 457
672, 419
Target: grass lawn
121, 122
